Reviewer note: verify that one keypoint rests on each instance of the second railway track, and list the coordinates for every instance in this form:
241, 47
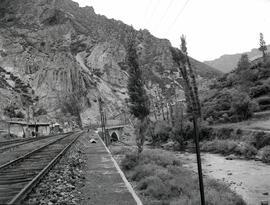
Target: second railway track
18, 177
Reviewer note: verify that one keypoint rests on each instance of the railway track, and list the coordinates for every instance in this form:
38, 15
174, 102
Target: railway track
24, 140
18, 177
5, 145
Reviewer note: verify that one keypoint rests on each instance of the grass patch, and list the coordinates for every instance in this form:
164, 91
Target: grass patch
160, 179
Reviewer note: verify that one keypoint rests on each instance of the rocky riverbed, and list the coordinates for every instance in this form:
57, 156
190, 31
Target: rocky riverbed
249, 178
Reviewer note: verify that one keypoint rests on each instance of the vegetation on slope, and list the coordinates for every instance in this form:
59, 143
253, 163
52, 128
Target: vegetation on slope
236, 95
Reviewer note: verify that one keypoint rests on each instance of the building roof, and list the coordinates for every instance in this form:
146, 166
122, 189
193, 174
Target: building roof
30, 124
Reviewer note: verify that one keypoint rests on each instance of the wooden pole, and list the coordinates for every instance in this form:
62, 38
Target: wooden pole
101, 119
196, 138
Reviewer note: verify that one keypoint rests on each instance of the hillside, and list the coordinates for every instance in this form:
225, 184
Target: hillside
245, 89
226, 63
56, 49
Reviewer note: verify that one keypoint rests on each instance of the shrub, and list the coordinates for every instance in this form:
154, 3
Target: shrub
261, 139
220, 146
218, 104
242, 106
20, 115
181, 133
227, 147
246, 150
266, 154
155, 187
143, 170
40, 111
11, 112
129, 161
213, 194
161, 180
259, 90
161, 132
121, 150
159, 157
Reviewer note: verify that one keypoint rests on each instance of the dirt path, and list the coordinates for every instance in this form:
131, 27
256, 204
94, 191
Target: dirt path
103, 182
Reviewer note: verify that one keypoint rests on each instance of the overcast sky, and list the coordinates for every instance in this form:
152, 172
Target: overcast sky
212, 27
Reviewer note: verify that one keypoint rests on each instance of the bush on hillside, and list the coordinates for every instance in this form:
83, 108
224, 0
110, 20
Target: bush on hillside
161, 131
242, 106
40, 111
182, 132
245, 149
259, 90
11, 112
224, 147
266, 154
261, 139
217, 104
130, 161
227, 147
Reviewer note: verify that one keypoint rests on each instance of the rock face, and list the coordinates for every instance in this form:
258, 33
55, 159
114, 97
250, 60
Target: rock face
57, 49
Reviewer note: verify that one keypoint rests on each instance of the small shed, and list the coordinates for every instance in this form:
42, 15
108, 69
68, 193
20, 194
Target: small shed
24, 129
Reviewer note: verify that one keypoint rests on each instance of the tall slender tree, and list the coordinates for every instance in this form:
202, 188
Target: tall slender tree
192, 75
262, 47
191, 92
138, 99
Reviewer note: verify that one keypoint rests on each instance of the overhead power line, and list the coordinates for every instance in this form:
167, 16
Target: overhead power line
153, 11
178, 15
147, 8
164, 15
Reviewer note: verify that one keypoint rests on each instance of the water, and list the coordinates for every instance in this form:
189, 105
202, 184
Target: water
249, 178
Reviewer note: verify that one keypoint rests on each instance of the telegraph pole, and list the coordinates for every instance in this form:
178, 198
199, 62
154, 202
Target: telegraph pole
102, 120
199, 164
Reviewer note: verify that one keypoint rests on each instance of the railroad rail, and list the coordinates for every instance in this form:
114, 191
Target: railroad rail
16, 141
5, 145
19, 176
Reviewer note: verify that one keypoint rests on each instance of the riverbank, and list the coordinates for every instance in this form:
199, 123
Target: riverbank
250, 179
247, 144
159, 177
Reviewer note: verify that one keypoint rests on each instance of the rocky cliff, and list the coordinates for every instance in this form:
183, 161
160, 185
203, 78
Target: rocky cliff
50, 49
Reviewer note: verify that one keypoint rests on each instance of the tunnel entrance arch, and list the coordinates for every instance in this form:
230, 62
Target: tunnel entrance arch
114, 137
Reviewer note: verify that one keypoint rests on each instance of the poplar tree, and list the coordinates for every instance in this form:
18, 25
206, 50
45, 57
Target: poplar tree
191, 92
192, 75
262, 47
138, 99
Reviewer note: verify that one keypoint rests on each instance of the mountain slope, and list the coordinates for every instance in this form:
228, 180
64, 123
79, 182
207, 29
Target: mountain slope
226, 63
60, 49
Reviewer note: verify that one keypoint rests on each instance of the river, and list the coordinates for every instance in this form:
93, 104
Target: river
249, 178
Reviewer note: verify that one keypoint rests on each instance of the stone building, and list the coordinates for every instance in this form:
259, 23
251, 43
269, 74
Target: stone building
24, 129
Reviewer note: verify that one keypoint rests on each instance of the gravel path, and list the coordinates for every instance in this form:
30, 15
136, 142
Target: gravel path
103, 183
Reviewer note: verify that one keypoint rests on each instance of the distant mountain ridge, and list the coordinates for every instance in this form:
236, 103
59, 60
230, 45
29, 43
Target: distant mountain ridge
228, 62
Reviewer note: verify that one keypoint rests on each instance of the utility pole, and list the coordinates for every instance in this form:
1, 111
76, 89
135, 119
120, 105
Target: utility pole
171, 113
168, 112
102, 121
186, 71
